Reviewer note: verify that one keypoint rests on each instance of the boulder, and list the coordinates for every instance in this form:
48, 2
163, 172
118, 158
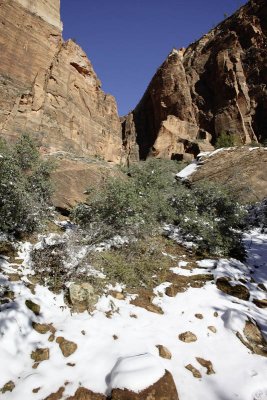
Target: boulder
82, 297
163, 389
66, 346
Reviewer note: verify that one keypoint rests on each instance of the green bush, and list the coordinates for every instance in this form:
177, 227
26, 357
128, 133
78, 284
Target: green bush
209, 215
24, 186
135, 205
227, 140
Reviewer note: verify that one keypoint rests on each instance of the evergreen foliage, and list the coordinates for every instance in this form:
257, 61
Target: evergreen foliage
25, 186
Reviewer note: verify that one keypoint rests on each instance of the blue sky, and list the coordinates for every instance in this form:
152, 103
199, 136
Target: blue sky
126, 41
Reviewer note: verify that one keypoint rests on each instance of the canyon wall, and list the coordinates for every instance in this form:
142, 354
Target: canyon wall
48, 87
217, 85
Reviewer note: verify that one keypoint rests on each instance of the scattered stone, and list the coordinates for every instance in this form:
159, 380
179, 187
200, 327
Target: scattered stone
82, 297
216, 315
41, 328
262, 287
212, 329
51, 337
35, 365
83, 332
14, 277
196, 373
199, 316
144, 300
117, 295
85, 394
40, 355
57, 395
67, 347
260, 303
253, 338
36, 390
239, 291
173, 290
71, 364
164, 352
8, 387
164, 389
206, 364
188, 337
133, 316
35, 308
115, 337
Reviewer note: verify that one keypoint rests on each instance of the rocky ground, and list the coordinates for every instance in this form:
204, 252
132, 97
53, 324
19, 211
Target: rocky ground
206, 325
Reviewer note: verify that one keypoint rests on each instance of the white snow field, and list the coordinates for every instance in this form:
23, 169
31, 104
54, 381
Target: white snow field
239, 374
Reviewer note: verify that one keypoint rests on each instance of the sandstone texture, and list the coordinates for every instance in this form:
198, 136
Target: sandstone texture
243, 169
49, 88
74, 176
162, 390
217, 85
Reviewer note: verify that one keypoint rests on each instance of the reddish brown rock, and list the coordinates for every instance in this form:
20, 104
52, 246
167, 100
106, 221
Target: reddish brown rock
164, 389
57, 395
216, 85
239, 291
85, 394
49, 88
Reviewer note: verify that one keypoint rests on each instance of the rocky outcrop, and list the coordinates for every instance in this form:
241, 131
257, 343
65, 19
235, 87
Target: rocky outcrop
217, 85
49, 88
243, 169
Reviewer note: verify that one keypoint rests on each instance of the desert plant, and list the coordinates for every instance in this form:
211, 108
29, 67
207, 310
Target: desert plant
24, 186
227, 140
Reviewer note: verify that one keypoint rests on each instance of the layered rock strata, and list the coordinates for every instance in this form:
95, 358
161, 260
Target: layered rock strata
217, 85
48, 88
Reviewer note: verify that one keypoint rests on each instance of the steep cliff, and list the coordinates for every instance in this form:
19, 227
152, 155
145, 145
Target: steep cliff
48, 88
216, 85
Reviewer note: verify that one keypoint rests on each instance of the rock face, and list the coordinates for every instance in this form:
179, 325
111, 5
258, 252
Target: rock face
49, 88
217, 85
243, 169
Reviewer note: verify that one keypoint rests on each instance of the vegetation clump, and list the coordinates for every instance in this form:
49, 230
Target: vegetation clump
25, 186
150, 196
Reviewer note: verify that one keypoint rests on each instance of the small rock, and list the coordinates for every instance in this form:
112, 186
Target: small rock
35, 308
36, 390
71, 364
133, 316
83, 332
262, 287
35, 365
8, 387
85, 394
51, 337
117, 295
67, 347
239, 291
212, 329
188, 337
14, 277
196, 373
216, 315
115, 337
206, 364
164, 352
57, 395
82, 297
40, 355
199, 316
41, 328
260, 303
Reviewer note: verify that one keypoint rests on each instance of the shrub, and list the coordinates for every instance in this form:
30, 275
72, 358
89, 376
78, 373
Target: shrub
135, 205
227, 140
209, 215
24, 186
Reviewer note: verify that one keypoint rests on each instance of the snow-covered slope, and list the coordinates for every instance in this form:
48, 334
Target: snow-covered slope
102, 339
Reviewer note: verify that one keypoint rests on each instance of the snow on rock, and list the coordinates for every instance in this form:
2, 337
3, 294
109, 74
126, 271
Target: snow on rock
234, 320
187, 171
136, 373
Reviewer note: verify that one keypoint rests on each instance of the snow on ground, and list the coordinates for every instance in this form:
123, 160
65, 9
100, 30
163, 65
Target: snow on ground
111, 351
